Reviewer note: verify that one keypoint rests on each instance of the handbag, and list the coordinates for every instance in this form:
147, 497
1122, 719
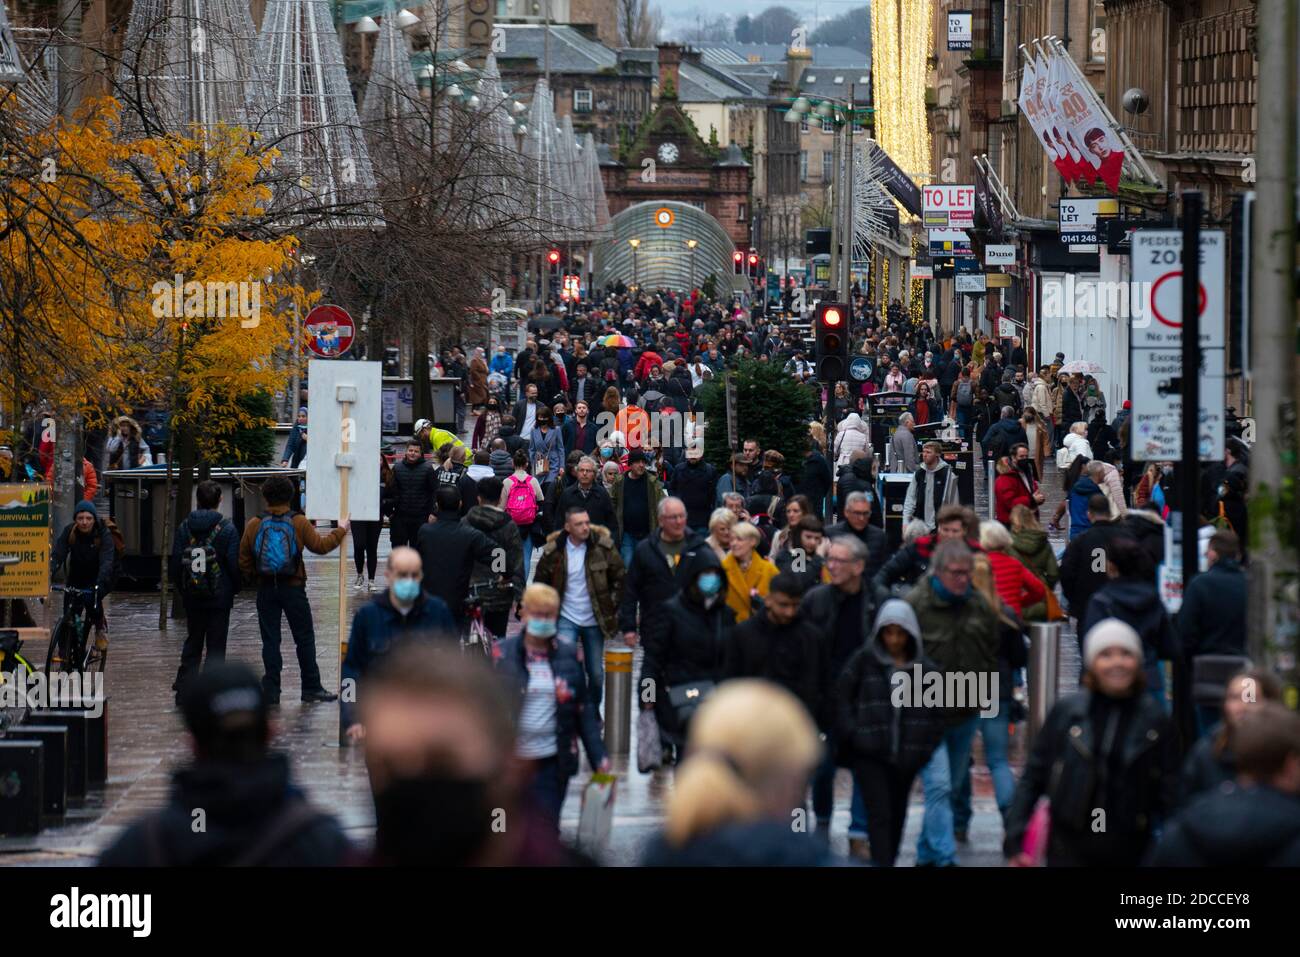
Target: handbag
1054, 610
649, 748
685, 698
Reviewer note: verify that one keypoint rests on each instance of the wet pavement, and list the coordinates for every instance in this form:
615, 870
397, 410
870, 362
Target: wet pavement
147, 740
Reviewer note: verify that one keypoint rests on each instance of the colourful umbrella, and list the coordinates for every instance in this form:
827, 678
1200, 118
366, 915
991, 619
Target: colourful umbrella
618, 341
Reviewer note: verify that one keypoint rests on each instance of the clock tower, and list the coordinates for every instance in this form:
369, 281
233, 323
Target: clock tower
669, 160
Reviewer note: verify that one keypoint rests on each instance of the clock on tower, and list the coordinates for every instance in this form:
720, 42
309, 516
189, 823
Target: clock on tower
668, 153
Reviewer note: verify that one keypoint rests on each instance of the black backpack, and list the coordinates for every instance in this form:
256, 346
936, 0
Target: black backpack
201, 572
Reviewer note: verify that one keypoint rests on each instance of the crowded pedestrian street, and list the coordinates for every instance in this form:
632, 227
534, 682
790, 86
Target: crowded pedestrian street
627, 438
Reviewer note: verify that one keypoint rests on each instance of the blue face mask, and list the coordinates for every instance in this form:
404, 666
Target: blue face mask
606, 453
710, 583
541, 629
406, 590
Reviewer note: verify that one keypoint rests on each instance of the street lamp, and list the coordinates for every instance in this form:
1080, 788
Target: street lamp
691, 244
635, 244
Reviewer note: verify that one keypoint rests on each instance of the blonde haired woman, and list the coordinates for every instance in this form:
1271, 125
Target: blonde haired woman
751, 750
748, 573
721, 523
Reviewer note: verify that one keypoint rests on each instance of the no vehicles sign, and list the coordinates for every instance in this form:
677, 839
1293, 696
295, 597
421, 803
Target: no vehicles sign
1155, 365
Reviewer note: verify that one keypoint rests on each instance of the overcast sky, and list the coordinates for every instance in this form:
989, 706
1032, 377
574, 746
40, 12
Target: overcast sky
680, 15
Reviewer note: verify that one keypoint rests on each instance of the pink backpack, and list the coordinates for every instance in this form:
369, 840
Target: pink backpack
521, 504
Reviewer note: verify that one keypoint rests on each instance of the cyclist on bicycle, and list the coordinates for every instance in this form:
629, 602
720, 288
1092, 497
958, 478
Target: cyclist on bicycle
87, 547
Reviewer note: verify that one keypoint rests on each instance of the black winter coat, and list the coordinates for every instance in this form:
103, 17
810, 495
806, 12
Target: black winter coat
1066, 766
1207, 768
694, 485
450, 550
867, 723
651, 581
816, 482
857, 478
239, 803
198, 526
1079, 580
1212, 619
690, 645
599, 506
795, 657
413, 487
821, 606
1137, 603
501, 528
1233, 827
871, 536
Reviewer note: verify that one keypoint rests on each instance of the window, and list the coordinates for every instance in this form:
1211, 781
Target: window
828, 158
740, 212
997, 25
803, 126
582, 101
803, 166
839, 81
1097, 33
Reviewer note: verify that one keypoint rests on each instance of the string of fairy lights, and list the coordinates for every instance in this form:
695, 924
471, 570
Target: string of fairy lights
901, 40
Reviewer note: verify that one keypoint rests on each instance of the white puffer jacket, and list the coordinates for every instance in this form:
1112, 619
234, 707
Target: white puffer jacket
850, 435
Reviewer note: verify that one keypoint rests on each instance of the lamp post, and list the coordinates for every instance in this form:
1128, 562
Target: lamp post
691, 244
635, 244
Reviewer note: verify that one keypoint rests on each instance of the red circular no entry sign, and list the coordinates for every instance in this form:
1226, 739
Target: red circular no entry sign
1178, 322
329, 331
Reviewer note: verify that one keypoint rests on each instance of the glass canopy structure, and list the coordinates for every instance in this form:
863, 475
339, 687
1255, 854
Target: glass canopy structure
650, 245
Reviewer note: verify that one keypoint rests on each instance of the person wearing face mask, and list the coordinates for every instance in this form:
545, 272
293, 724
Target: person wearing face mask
400, 610
553, 702
1108, 748
689, 646
440, 752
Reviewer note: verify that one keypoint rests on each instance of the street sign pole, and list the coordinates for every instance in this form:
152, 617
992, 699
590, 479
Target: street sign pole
1189, 480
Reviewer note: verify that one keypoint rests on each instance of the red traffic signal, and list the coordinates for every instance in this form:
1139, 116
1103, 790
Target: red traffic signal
830, 332
553, 257
738, 262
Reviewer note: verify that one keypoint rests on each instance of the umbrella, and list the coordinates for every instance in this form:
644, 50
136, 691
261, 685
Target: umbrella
618, 341
1082, 366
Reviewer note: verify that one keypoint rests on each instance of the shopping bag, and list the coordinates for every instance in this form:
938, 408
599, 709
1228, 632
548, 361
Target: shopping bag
649, 749
1037, 833
597, 813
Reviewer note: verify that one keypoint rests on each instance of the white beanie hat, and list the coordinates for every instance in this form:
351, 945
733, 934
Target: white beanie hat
1110, 633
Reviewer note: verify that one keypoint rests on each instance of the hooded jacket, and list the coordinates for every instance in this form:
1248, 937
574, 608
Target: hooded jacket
194, 530
857, 478
691, 644
413, 487
1137, 603
793, 656
1082, 490
851, 435
308, 540
939, 482
603, 570
1035, 552
1079, 578
868, 722
1212, 619
1233, 827
693, 483
501, 528
503, 465
240, 801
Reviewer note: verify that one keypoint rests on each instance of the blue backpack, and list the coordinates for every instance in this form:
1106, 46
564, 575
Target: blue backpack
276, 545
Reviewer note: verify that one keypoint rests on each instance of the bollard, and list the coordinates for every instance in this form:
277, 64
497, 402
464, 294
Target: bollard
618, 699
1044, 667
991, 478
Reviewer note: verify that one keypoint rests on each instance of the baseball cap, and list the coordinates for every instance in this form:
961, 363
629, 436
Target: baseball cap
224, 700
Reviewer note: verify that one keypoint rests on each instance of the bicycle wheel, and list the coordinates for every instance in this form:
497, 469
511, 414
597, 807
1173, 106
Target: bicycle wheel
58, 657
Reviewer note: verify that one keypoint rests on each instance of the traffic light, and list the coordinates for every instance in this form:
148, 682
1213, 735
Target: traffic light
832, 335
738, 262
753, 264
553, 257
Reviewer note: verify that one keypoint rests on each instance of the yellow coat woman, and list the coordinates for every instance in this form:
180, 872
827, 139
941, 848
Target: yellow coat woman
747, 572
